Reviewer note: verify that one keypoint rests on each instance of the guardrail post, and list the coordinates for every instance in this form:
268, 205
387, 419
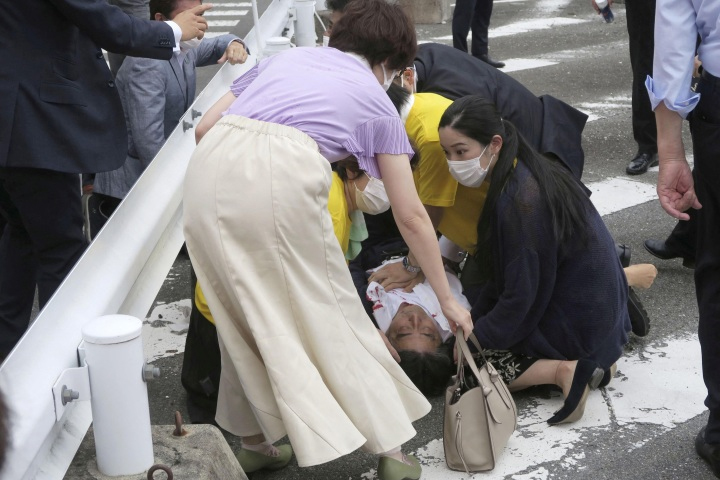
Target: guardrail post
119, 402
305, 23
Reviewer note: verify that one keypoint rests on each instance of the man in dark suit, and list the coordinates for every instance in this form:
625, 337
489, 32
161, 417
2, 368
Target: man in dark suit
473, 15
548, 124
60, 116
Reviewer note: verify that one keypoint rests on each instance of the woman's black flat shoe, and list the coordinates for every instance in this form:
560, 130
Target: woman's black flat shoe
608, 375
587, 375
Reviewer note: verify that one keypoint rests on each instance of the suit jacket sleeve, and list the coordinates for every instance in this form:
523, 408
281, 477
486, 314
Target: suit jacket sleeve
145, 107
115, 31
211, 50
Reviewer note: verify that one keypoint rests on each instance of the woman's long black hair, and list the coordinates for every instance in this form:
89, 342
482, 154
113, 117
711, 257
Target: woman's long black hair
477, 118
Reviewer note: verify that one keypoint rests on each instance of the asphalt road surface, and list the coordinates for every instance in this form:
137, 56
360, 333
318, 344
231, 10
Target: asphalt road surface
643, 425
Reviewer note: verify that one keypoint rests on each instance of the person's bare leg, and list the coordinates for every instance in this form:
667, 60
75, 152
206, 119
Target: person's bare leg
546, 372
641, 275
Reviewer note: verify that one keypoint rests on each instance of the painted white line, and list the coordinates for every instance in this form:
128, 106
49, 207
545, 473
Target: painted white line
214, 34
225, 13
664, 388
615, 194
517, 64
223, 23
164, 330
524, 27
532, 25
609, 106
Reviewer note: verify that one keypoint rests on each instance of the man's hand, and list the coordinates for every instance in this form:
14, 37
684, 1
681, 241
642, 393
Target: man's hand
394, 275
675, 188
191, 22
235, 53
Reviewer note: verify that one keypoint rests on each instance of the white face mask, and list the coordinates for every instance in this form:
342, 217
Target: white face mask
373, 200
186, 45
469, 172
387, 81
326, 41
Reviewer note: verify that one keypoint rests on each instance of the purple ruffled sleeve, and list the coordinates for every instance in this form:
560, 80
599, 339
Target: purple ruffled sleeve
379, 135
242, 82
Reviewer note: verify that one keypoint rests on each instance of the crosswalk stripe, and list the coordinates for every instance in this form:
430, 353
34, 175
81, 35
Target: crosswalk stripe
225, 13
526, 26
517, 64
214, 34
615, 194
223, 23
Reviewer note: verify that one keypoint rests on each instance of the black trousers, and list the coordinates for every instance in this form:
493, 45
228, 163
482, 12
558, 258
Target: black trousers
641, 29
473, 14
683, 238
705, 129
40, 243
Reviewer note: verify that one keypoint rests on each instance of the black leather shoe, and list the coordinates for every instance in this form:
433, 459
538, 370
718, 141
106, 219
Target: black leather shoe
661, 250
639, 320
493, 63
641, 163
709, 453
623, 252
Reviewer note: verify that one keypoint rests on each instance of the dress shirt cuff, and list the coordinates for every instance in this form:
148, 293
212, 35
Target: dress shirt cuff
683, 107
177, 32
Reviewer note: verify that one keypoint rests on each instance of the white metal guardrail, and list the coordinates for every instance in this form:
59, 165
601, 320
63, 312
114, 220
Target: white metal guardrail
121, 272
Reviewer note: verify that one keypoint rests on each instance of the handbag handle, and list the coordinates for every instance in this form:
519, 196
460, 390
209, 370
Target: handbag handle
464, 351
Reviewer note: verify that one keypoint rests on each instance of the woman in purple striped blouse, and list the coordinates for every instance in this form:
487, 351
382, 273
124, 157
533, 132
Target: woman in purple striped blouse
300, 357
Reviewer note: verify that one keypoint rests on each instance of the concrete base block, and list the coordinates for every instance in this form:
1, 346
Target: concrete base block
428, 11
202, 454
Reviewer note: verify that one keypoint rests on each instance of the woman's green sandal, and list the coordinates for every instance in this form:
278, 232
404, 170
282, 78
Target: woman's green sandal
252, 461
391, 469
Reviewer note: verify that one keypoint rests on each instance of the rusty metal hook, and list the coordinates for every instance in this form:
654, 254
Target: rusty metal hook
179, 430
157, 467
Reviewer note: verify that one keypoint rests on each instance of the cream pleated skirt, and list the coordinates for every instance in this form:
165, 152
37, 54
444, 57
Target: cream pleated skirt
299, 354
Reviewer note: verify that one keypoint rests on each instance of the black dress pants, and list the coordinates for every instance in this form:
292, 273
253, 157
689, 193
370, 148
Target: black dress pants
705, 129
473, 14
641, 30
40, 243
683, 238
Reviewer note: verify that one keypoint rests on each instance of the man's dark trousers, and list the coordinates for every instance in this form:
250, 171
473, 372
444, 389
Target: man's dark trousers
41, 242
641, 30
705, 128
475, 15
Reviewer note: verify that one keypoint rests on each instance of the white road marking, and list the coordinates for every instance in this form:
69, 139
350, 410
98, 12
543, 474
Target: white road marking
225, 13
517, 64
615, 194
164, 330
525, 26
214, 34
663, 388
609, 106
223, 23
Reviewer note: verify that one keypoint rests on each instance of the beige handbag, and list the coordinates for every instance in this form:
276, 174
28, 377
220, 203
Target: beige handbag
480, 414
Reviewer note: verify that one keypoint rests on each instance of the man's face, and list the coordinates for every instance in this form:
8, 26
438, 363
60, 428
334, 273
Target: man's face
413, 329
335, 16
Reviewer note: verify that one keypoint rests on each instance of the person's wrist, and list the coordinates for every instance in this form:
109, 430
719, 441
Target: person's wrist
414, 269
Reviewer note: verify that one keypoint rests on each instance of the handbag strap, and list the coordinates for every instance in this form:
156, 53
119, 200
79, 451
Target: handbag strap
464, 352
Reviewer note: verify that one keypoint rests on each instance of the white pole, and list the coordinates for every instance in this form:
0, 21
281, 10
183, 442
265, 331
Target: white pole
120, 409
258, 35
305, 23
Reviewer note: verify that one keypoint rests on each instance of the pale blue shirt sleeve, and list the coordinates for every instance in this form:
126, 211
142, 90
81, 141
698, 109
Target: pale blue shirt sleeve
675, 37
